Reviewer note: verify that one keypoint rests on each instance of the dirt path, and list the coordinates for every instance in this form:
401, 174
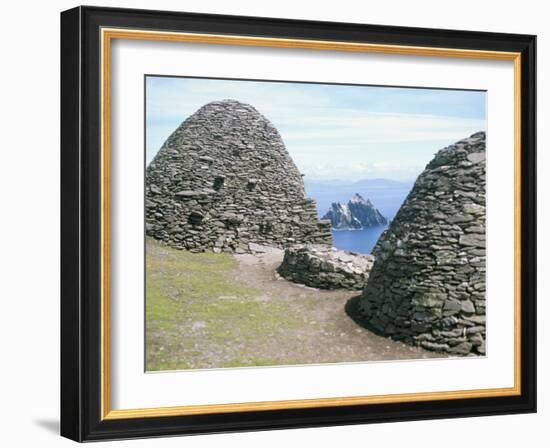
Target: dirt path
329, 335
219, 310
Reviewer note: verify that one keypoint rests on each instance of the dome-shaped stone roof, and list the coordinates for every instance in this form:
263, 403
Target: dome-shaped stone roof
427, 285
224, 179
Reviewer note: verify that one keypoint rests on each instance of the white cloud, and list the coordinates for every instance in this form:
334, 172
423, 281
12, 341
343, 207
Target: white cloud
381, 127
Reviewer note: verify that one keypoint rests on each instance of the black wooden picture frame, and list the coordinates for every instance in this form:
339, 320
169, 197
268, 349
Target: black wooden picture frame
83, 412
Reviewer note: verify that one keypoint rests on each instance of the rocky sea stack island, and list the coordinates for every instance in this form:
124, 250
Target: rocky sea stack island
358, 213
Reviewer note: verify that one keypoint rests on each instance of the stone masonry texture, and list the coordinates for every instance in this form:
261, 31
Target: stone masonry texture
427, 284
325, 267
224, 180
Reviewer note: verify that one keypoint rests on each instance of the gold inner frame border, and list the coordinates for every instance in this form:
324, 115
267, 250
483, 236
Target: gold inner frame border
107, 35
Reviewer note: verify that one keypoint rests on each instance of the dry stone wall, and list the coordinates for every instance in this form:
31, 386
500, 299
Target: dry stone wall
224, 180
427, 284
326, 267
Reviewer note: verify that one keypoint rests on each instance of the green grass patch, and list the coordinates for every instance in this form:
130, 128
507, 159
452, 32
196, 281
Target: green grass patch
198, 315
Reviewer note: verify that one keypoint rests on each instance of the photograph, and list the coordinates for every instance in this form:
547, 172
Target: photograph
295, 223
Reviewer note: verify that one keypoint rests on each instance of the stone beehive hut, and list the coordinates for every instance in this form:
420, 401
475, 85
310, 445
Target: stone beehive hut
224, 180
427, 285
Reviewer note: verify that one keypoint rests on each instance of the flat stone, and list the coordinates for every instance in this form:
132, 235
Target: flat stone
154, 189
452, 306
461, 349
476, 157
187, 193
468, 307
475, 209
472, 239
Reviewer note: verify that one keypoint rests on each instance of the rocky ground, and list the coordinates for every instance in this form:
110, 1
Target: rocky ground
208, 310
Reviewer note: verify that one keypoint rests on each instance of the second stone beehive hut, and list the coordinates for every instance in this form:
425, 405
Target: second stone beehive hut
223, 181
427, 285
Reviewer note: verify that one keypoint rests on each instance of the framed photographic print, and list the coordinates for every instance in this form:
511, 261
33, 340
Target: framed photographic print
274, 223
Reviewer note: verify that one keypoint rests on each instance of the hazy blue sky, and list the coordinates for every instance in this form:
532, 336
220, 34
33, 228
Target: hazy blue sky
331, 131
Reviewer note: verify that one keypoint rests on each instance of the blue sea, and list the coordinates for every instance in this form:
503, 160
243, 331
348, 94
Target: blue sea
387, 196
361, 241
